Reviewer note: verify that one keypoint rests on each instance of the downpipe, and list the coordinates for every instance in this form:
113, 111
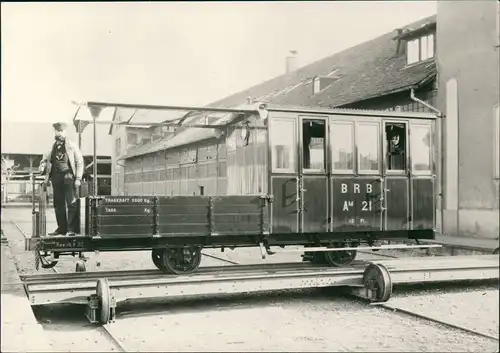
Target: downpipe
440, 116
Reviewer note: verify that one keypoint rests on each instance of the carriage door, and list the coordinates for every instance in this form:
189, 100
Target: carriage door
313, 175
396, 175
284, 180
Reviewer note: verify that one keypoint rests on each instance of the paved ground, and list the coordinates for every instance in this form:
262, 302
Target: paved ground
288, 321
312, 320
17, 317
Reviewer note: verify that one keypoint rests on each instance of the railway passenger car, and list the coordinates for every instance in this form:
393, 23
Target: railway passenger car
265, 176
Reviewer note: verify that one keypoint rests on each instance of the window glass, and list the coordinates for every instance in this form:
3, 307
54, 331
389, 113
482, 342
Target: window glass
427, 47
396, 146
283, 144
316, 85
131, 138
103, 168
342, 143
222, 169
368, 141
421, 148
313, 144
430, 46
412, 55
184, 172
170, 174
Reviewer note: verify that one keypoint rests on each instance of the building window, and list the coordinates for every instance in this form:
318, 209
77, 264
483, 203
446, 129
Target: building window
496, 155
316, 85
420, 49
131, 139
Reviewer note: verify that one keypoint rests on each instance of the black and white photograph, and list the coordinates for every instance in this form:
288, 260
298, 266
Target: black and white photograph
250, 176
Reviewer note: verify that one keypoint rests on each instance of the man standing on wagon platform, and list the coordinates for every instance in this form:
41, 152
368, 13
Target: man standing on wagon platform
63, 166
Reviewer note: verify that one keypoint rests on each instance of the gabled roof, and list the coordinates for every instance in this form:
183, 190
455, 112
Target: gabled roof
35, 138
371, 69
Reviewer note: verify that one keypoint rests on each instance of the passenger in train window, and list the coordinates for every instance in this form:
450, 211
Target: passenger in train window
396, 147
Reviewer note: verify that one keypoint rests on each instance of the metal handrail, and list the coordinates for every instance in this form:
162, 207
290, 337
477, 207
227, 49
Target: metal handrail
39, 193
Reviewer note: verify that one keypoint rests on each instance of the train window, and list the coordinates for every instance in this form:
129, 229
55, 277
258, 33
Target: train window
342, 141
313, 144
283, 145
421, 148
368, 143
396, 147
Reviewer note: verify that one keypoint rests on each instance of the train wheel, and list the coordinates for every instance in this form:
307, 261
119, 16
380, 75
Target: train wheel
104, 294
319, 258
340, 258
377, 278
80, 266
156, 256
181, 261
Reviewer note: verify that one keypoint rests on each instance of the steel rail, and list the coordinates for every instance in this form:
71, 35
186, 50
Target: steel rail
428, 263
252, 281
77, 276
438, 321
113, 338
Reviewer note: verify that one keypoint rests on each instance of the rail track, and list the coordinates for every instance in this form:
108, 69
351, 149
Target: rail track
104, 329
437, 321
107, 329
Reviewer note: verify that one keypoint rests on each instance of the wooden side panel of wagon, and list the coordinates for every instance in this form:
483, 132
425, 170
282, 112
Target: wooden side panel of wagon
423, 203
122, 216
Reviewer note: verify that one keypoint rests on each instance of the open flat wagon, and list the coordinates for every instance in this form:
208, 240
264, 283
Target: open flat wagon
327, 179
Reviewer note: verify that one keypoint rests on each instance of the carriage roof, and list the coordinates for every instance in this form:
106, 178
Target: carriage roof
191, 119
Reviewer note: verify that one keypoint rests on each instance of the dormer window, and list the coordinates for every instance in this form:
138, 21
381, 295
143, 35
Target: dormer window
419, 49
316, 85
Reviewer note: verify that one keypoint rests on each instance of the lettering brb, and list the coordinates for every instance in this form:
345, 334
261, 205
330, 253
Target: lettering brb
365, 205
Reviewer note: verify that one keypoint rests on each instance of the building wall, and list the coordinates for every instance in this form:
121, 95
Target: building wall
467, 44
401, 101
121, 142
211, 167
191, 170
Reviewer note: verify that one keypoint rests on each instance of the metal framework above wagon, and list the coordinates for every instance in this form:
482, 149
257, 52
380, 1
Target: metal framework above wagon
330, 179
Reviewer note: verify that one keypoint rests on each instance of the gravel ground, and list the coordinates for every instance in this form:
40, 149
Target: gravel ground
68, 330
310, 320
477, 309
285, 321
